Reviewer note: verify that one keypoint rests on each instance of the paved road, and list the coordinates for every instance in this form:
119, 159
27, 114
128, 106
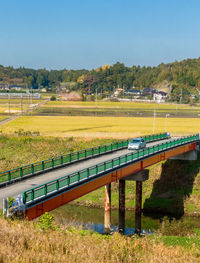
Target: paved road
20, 187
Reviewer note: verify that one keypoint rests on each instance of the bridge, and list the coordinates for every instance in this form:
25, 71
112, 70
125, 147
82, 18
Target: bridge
91, 169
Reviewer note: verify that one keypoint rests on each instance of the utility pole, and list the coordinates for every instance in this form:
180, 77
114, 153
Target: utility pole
154, 120
9, 103
28, 94
96, 97
181, 96
167, 115
31, 95
22, 103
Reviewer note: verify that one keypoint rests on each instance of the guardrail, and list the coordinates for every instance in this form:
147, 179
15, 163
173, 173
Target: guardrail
90, 172
59, 161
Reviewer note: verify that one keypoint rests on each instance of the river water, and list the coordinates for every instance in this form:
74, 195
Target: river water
93, 218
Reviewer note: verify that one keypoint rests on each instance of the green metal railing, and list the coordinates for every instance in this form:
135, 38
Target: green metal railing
43, 166
93, 171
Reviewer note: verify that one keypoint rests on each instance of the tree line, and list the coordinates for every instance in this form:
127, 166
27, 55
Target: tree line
184, 75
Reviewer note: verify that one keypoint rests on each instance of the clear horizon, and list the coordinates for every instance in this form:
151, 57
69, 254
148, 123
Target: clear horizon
88, 34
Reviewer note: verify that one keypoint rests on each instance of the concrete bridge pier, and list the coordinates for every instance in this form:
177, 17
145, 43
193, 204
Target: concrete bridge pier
121, 205
107, 211
139, 177
138, 207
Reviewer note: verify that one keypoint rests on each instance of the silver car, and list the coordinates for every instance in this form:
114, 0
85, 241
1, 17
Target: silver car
136, 144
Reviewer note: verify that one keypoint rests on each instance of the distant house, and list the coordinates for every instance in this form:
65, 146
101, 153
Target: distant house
149, 91
133, 92
117, 92
159, 96
4, 86
43, 90
15, 87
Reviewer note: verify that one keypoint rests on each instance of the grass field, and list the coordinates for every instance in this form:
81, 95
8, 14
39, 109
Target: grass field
101, 127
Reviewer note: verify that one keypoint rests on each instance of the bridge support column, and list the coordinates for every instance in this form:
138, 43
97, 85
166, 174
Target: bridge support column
138, 207
107, 211
139, 177
121, 206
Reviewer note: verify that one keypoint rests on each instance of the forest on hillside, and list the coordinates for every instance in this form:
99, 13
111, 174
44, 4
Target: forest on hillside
183, 75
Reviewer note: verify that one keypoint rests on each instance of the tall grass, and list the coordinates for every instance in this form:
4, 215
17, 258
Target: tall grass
23, 242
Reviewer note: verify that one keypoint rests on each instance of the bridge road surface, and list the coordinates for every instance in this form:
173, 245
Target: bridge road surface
21, 186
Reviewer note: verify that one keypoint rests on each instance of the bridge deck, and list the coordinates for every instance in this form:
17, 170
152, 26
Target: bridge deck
18, 188
56, 193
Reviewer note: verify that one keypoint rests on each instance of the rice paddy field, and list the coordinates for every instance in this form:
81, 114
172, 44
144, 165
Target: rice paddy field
115, 109
14, 106
2, 118
13, 109
101, 127
18, 101
108, 104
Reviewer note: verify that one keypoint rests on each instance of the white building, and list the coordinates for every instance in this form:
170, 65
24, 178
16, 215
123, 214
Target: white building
159, 97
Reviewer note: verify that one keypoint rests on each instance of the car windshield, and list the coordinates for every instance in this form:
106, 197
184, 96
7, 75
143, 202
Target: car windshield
136, 141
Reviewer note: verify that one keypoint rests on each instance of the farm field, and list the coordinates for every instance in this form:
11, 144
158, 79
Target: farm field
100, 127
13, 108
117, 109
2, 118
108, 104
18, 101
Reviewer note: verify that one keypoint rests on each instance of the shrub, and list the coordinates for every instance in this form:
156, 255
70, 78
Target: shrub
53, 98
46, 221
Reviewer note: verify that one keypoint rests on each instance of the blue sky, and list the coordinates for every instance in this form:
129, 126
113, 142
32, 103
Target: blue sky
78, 34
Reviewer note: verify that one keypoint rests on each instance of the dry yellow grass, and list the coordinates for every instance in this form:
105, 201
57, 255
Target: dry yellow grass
21, 242
102, 127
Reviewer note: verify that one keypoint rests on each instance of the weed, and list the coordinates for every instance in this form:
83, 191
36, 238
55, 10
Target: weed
46, 221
